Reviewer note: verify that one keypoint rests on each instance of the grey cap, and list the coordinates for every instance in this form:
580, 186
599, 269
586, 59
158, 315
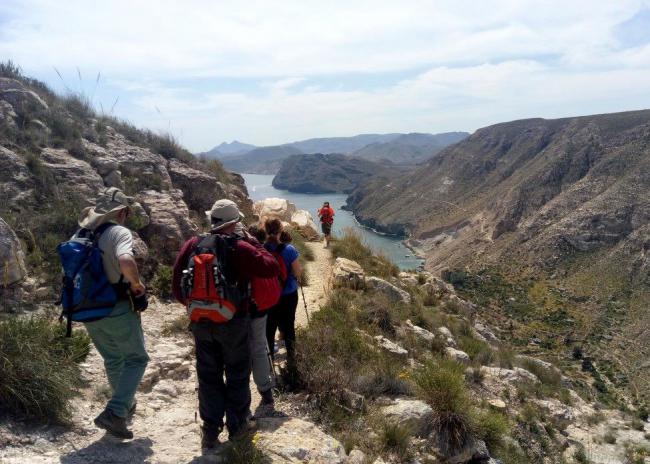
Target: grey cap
223, 213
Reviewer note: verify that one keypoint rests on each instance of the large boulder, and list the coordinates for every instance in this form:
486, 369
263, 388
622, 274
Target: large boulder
12, 258
457, 355
200, 190
16, 182
169, 225
414, 414
390, 346
394, 294
285, 440
304, 222
274, 208
72, 174
347, 273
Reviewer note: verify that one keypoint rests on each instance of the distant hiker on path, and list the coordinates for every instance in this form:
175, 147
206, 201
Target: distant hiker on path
326, 215
212, 277
118, 337
283, 314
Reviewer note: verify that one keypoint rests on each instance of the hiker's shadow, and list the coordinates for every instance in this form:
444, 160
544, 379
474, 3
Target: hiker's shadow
109, 449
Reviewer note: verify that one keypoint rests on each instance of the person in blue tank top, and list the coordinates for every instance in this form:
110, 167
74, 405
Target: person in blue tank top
283, 315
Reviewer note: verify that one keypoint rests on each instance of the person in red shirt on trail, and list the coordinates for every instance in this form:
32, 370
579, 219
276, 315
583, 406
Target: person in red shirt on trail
326, 215
212, 276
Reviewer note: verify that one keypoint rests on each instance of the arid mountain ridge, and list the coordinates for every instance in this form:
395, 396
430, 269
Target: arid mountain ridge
407, 149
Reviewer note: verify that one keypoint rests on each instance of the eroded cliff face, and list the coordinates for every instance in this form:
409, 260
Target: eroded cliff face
562, 202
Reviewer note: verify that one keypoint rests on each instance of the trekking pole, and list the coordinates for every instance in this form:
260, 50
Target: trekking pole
275, 375
304, 302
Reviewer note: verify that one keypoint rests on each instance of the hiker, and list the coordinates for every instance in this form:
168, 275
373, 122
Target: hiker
326, 215
283, 315
266, 293
118, 337
212, 276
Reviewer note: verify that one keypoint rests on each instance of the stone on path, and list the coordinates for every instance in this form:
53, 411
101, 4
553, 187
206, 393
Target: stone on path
292, 440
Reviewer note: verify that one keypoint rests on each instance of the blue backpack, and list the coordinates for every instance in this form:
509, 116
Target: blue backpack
87, 295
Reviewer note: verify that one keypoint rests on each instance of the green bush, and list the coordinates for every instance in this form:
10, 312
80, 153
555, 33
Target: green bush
161, 283
298, 241
352, 246
39, 374
492, 427
442, 386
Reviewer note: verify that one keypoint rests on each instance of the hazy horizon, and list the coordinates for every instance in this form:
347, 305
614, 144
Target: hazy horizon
267, 74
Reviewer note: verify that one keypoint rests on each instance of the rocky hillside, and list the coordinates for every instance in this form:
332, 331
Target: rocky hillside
560, 207
262, 160
57, 154
409, 148
320, 173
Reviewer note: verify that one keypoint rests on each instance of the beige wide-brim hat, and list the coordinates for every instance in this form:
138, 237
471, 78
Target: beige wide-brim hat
107, 207
223, 213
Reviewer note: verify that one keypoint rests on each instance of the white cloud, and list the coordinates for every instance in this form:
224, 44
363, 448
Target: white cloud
303, 65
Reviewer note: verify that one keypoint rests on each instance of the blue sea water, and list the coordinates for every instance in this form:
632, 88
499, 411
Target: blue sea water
259, 187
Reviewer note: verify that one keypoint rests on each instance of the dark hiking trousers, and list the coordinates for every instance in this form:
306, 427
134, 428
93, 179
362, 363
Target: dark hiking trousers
223, 348
283, 316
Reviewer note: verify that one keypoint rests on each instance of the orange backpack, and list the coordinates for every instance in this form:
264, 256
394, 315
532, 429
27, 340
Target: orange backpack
209, 284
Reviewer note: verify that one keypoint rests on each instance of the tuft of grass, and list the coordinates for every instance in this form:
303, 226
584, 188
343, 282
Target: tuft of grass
610, 437
442, 386
396, 438
331, 352
352, 246
581, 456
244, 451
176, 326
39, 372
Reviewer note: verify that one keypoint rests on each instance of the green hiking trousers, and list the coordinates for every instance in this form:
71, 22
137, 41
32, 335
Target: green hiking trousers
120, 341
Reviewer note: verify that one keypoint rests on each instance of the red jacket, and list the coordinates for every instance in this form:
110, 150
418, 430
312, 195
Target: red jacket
250, 260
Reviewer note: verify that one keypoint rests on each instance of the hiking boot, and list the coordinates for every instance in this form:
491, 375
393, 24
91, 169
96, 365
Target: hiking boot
209, 436
247, 426
115, 425
267, 398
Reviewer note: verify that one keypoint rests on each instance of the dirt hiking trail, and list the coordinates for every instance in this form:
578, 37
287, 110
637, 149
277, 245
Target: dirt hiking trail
164, 424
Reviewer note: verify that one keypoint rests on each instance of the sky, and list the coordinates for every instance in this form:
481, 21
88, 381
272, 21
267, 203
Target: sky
271, 72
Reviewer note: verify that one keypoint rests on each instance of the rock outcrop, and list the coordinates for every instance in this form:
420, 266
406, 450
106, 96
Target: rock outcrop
16, 182
304, 222
414, 414
170, 224
394, 293
291, 440
347, 273
274, 208
12, 257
